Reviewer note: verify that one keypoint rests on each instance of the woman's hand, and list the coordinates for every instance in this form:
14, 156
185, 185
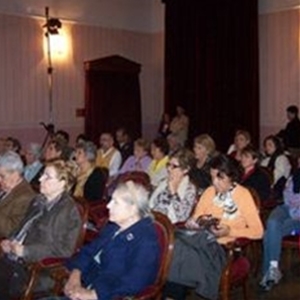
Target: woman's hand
220, 230
6, 246
17, 248
73, 284
83, 294
191, 224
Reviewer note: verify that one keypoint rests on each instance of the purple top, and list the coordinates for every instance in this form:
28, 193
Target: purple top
134, 164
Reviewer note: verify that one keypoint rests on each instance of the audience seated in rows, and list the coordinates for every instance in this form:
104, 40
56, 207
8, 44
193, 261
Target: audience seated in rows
49, 229
277, 162
283, 221
242, 139
124, 258
90, 180
140, 160
175, 196
199, 259
158, 167
204, 150
15, 193
253, 176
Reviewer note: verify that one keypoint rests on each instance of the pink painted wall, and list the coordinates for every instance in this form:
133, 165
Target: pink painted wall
23, 78
279, 67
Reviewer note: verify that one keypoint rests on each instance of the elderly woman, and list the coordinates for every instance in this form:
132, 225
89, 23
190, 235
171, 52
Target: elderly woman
50, 229
238, 216
157, 169
124, 259
15, 194
204, 150
90, 181
176, 195
140, 160
32, 170
277, 162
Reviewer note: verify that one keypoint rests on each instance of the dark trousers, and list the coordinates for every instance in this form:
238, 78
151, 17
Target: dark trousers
13, 278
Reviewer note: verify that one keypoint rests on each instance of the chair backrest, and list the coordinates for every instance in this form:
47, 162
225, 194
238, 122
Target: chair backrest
137, 177
83, 210
165, 231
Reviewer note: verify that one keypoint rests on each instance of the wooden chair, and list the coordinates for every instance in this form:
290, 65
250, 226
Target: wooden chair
50, 264
236, 271
243, 255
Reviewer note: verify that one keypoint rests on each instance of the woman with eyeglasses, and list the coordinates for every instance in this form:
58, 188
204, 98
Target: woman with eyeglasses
49, 229
176, 195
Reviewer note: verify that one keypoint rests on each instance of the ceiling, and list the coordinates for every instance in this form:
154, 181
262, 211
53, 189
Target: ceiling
136, 15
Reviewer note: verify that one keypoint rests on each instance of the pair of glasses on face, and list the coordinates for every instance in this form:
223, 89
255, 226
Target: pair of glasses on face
172, 166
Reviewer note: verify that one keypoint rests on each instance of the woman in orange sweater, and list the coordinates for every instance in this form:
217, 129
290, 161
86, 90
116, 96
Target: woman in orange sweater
228, 201
198, 258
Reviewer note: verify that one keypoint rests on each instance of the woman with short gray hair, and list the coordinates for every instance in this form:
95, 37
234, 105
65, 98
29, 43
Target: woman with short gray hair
90, 180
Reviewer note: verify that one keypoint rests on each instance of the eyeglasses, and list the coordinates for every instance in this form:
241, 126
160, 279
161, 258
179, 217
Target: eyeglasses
46, 176
172, 166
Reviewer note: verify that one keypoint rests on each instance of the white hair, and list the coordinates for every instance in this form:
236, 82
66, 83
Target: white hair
11, 161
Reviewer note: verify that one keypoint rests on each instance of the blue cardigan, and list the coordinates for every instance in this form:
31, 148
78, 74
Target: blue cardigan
127, 264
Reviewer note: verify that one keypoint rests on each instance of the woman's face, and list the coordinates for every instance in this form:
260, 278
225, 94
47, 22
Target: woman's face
120, 211
270, 147
200, 152
50, 184
247, 161
240, 142
51, 152
80, 156
221, 182
156, 153
139, 151
174, 169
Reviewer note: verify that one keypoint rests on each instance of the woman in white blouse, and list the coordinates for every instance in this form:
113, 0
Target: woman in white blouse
277, 162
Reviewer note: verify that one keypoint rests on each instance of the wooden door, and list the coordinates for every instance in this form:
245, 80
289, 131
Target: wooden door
112, 96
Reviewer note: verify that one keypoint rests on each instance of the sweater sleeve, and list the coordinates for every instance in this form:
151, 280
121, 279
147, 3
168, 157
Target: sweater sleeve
204, 204
250, 214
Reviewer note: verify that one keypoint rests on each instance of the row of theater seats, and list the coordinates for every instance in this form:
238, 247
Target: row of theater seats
242, 255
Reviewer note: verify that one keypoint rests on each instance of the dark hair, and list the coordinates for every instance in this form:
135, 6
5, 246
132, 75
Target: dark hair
82, 137
279, 150
226, 165
64, 134
249, 149
293, 109
61, 146
161, 144
15, 143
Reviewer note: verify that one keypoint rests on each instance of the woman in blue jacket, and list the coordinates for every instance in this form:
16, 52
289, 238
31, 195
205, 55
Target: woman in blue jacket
124, 259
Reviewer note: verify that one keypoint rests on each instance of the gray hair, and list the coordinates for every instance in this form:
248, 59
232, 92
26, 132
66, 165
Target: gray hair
11, 161
135, 194
35, 149
89, 148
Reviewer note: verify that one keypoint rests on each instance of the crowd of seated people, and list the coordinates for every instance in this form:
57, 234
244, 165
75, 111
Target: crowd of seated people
185, 185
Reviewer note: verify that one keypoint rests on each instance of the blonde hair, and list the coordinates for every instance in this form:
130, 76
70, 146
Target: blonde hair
207, 141
65, 171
